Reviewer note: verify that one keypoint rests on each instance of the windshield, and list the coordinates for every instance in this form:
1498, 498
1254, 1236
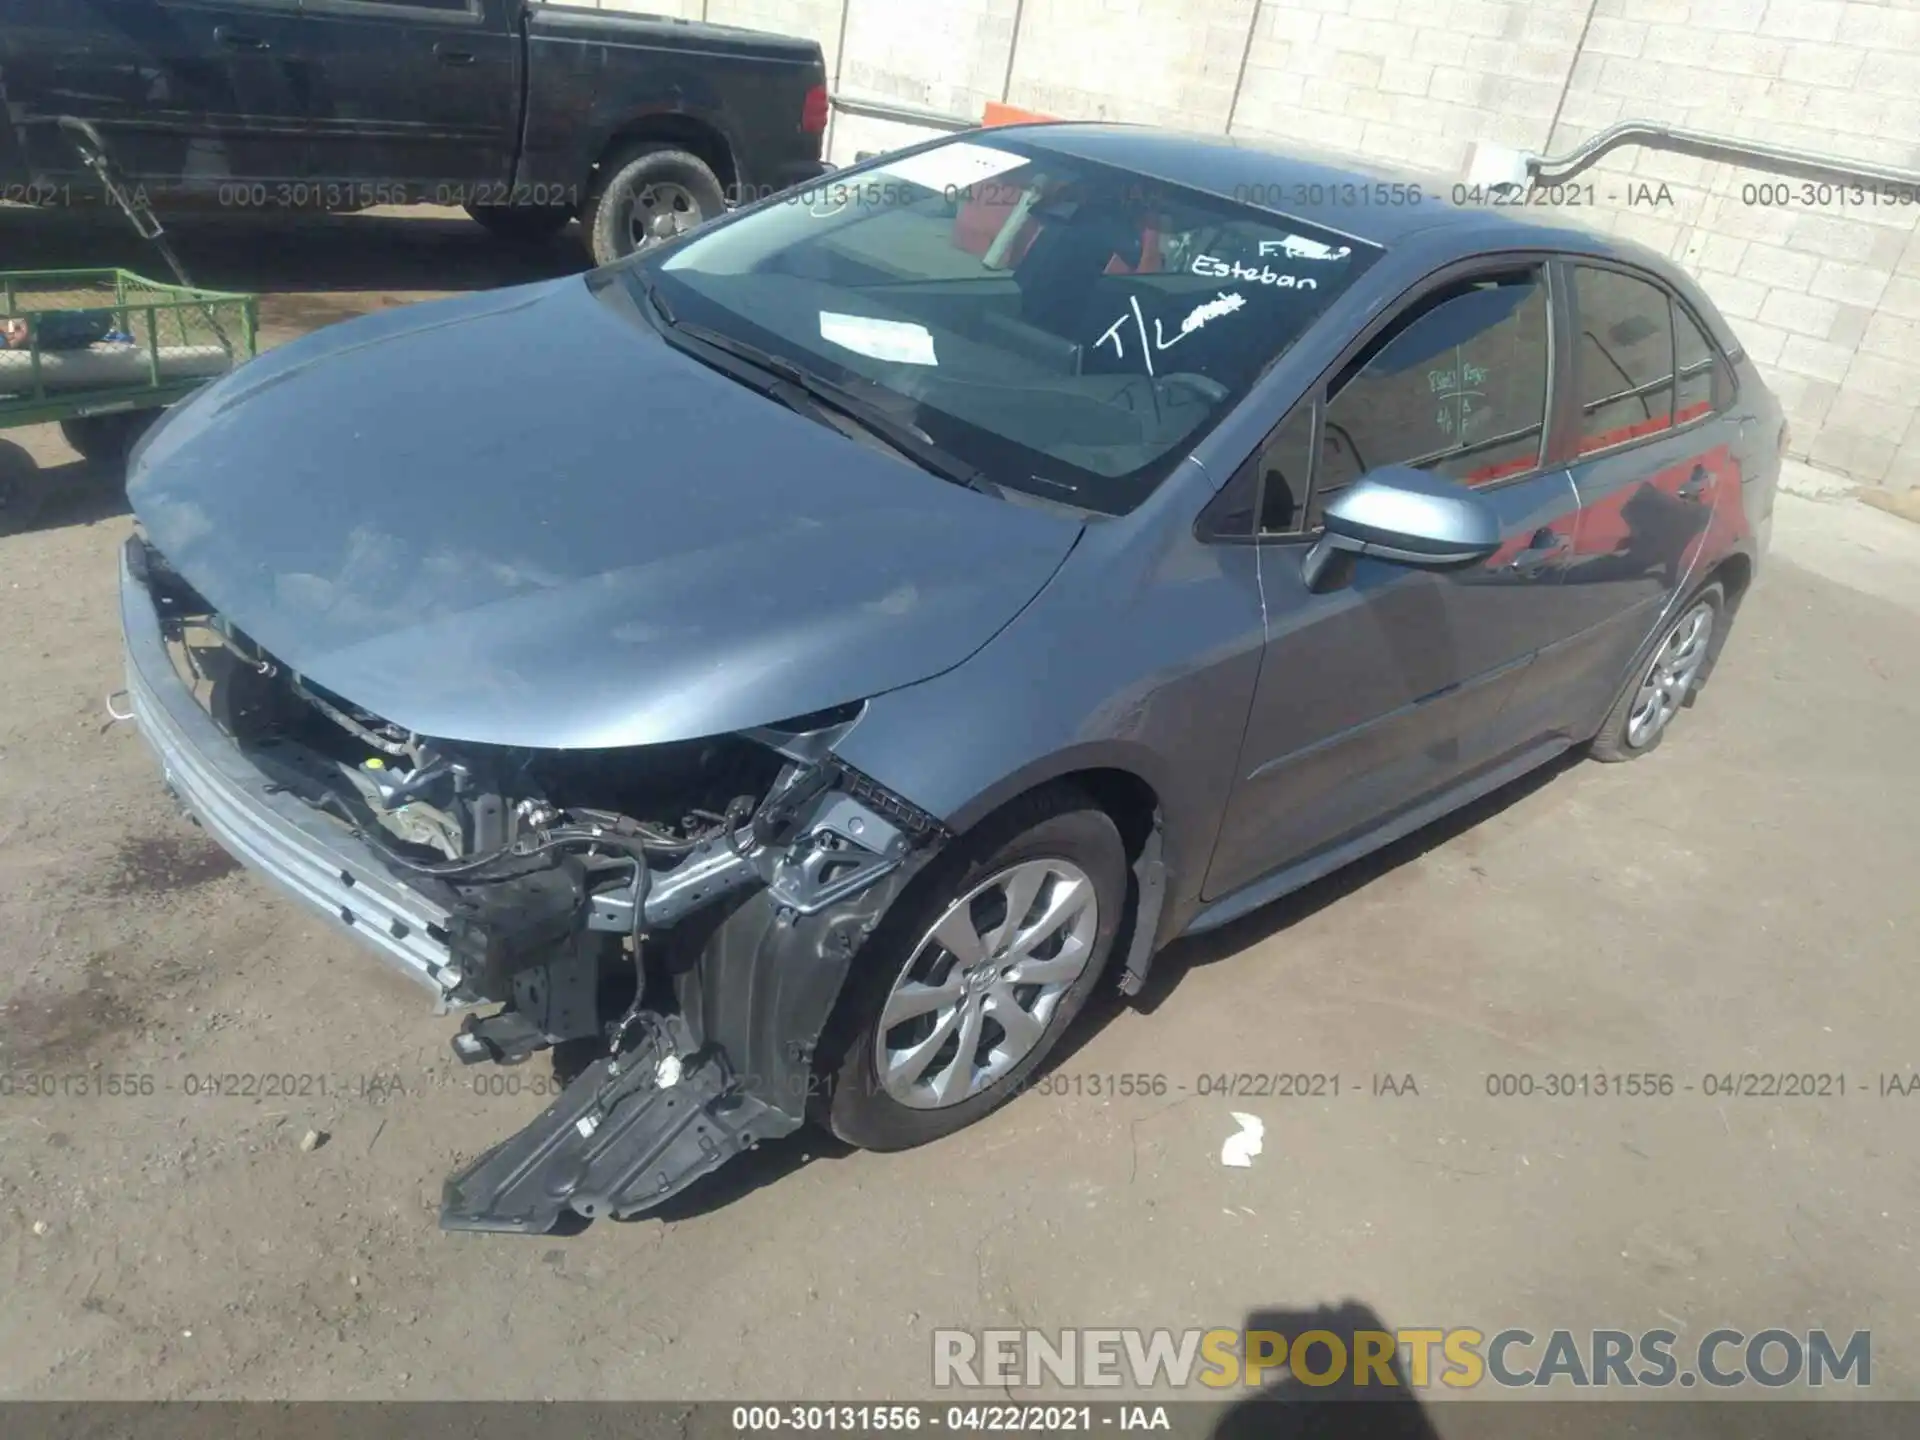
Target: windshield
1067, 328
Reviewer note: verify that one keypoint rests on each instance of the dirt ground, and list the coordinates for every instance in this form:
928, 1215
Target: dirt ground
1744, 900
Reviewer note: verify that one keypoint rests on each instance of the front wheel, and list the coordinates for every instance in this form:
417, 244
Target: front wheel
973, 976
647, 196
1665, 679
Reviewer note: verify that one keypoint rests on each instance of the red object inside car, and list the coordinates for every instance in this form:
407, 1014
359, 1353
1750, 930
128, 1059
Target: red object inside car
984, 216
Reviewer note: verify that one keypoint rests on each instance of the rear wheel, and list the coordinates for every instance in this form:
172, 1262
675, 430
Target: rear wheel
107, 438
975, 973
522, 224
1665, 679
649, 195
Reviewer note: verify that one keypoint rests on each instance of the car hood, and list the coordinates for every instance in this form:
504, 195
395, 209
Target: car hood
521, 518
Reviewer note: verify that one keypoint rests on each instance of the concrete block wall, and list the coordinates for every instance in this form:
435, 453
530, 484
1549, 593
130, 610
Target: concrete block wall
889, 44
1824, 287
1413, 81
1161, 62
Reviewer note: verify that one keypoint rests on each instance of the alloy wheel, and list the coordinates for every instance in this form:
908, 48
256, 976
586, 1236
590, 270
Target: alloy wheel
661, 211
1676, 665
980, 989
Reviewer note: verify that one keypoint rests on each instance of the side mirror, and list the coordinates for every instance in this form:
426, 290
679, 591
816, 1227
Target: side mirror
1406, 515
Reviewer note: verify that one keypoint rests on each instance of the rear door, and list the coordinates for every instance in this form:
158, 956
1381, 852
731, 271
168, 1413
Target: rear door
423, 94
1392, 682
1652, 457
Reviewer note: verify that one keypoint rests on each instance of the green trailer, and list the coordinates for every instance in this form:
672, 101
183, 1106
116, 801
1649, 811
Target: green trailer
102, 351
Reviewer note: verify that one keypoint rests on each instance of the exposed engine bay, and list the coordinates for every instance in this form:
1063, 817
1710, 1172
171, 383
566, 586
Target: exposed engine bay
674, 921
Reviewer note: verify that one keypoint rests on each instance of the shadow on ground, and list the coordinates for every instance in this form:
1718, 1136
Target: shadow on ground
1338, 1408
49, 497
1293, 1409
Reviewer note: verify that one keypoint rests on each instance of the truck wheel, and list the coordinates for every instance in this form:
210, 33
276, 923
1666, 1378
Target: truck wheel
974, 974
107, 438
521, 224
648, 195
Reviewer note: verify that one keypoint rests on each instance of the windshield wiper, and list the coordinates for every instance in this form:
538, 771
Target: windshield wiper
650, 288
818, 392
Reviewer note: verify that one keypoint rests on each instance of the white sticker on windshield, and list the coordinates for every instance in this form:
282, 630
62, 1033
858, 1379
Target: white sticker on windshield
1299, 247
952, 168
895, 340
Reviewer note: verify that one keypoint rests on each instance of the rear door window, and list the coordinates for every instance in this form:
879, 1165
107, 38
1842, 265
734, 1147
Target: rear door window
1625, 358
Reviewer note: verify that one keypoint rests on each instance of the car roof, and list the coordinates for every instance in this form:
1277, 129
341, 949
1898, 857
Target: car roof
1304, 183
1298, 181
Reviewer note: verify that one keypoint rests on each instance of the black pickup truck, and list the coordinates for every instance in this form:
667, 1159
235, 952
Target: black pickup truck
526, 114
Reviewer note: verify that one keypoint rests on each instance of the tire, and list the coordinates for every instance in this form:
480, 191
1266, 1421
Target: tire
691, 190
1053, 834
1625, 734
521, 224
107, 438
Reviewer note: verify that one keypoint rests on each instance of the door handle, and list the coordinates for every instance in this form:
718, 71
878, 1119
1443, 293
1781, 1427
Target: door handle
449, 56
1696, 487
238, 39
1545, 546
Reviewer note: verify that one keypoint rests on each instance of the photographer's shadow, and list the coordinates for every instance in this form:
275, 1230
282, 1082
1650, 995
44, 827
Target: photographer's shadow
1342, 1409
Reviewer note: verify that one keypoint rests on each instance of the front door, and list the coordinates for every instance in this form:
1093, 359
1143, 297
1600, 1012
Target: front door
1392, 682
423, 94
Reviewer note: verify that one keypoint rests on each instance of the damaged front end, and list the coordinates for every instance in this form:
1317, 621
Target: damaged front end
676, 919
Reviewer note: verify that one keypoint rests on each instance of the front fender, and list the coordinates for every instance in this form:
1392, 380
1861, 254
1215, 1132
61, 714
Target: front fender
1140, 656
1128, 757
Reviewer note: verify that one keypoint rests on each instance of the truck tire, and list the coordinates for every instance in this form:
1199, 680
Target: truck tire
647, 195
521, 224
106, 439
